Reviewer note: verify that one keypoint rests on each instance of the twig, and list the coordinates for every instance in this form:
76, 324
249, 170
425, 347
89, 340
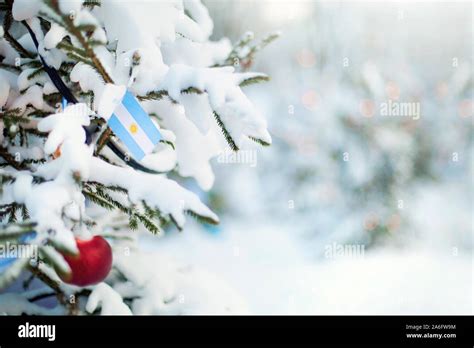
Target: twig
103, 138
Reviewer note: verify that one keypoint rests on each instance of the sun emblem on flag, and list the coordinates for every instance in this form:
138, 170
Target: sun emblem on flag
133, 128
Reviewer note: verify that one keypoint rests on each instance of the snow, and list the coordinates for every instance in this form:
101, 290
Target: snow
50, 201
53, 57
182, 51
221, 85
8, 52
268, 256
163, 160
141, 29
45, 203
24, 82
12, 271
65, 131
60, 264
109, 301
22, 187
179, 30
225, 97
66, 134
49, 88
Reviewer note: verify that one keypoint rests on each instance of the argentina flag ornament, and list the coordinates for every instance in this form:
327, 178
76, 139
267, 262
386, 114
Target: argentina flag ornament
129, 121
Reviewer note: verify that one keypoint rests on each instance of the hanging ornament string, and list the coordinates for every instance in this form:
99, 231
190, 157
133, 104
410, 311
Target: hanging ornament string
70, 98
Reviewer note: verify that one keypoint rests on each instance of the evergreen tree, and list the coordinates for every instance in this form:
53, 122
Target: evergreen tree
65, 175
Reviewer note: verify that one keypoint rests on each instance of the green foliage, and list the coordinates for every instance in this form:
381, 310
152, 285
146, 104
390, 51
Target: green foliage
225, 132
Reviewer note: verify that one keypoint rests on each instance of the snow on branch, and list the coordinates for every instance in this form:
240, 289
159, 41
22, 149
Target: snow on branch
165, 57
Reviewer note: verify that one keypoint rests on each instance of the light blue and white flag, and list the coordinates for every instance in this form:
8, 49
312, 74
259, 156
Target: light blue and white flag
129, 121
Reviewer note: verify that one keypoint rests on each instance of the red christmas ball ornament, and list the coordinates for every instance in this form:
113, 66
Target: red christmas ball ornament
92, 264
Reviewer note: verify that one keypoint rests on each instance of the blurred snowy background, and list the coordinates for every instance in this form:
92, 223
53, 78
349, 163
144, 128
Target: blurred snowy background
353, 209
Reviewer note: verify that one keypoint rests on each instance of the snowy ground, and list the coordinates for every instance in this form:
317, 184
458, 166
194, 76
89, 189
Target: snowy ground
266, 266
